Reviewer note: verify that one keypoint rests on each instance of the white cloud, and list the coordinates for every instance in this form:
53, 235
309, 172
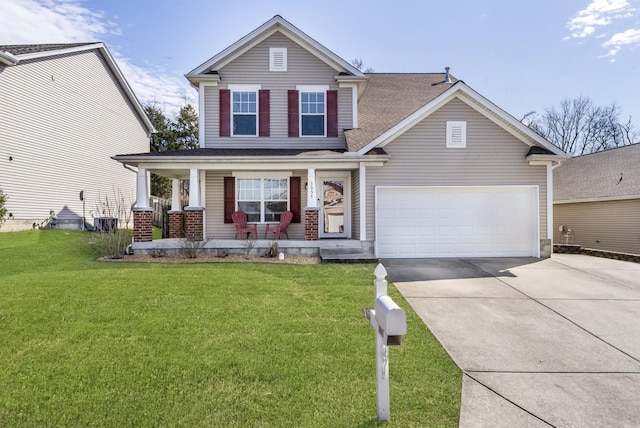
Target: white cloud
599, 13
620, 40
67, 21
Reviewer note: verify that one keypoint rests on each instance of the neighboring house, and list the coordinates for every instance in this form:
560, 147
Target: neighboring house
64, 110
597, 196
408, 165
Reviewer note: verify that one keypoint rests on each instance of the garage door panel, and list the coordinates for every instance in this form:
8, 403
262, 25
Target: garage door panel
457, 221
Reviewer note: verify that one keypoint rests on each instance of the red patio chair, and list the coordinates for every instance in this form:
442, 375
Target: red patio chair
281, 227
240, 220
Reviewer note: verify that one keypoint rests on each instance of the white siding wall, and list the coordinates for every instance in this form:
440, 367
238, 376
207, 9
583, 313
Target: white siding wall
253, 68
216, 228
60, 120
608, 225
492, 157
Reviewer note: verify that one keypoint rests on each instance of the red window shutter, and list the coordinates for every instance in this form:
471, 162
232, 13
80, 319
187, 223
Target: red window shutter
295, 198
225, 112
263, 106
332, 113
294, 120
229, 198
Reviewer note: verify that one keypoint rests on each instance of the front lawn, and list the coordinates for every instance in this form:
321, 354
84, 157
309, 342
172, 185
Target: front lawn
87, 343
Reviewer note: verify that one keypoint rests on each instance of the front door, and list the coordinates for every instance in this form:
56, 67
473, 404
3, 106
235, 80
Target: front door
334, 206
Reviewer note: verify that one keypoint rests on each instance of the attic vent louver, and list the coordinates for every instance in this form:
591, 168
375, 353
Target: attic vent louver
277, 59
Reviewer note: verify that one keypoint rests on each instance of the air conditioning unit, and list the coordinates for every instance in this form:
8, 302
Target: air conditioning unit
105, 224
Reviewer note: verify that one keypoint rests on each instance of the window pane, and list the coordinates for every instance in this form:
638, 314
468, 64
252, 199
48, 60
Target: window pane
313, 125
305, 96
276, 189
244, 124
252, 209
273, 210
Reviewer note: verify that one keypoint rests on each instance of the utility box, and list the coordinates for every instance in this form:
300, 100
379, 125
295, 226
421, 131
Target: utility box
392, 321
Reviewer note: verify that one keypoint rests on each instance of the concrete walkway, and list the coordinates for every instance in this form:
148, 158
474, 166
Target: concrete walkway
552, 342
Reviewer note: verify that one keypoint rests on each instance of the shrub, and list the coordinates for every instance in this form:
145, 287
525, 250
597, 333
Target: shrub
113, 240
3, 208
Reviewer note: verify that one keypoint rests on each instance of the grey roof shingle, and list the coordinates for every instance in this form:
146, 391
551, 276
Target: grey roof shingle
27, 49
248, 153
389, 98
597, 175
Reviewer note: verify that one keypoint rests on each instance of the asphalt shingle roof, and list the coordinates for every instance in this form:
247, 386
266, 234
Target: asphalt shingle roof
389, 98
608, 174
27, 49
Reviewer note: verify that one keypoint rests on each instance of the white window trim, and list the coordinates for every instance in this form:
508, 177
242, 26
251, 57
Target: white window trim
262, 176
461, 128
272, 54
311, 88
245, 88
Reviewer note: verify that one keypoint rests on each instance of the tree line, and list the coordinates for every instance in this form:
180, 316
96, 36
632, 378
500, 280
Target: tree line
172, 133
578, 126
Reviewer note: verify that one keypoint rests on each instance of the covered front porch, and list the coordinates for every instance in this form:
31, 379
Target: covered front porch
325, 191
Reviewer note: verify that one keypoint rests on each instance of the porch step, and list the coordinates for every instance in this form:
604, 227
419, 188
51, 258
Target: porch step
346, 255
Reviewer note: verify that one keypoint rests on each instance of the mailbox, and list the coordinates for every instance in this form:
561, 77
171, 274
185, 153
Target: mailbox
392, 321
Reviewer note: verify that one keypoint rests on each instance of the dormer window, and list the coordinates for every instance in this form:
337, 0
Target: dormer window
277, 59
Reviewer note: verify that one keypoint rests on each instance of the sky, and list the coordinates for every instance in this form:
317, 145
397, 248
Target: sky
523, 56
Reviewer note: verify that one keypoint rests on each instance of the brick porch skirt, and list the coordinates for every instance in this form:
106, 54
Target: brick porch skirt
311, 224
142, 225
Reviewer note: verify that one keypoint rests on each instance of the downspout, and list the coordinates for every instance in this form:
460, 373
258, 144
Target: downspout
129, 249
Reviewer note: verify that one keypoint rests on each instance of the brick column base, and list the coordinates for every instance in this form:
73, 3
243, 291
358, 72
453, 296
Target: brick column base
176, 224
194, 227
142, 225
311, 223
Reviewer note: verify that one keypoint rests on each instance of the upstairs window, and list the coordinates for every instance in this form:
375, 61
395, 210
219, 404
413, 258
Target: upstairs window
245, 113
313, 111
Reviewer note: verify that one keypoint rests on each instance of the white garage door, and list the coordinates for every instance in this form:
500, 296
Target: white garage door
457, 221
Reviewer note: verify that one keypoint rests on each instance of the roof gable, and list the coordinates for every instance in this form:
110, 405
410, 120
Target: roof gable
610, 174
457, 90
275, 24
19, 53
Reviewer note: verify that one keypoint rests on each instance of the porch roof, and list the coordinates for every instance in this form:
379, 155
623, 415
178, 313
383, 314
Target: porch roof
221, 158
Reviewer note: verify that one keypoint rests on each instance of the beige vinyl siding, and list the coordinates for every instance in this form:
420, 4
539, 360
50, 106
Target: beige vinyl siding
61, 119
216, 228
607, 225
492, 157
253, 68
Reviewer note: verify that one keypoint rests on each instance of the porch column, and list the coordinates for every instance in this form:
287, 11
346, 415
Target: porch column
142, 225
142, 189
194, 188
176, 216
311, 211
312, 195
194, 213
175, 195
311, 215
142, 212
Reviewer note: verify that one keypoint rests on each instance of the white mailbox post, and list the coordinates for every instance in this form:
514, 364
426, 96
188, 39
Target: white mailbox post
390, 323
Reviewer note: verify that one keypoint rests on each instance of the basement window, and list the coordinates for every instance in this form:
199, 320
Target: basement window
456, 135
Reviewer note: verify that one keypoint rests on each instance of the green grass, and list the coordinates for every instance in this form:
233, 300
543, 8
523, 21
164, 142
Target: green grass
87, 343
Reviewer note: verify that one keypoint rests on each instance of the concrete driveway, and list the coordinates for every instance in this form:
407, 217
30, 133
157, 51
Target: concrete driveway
551, 342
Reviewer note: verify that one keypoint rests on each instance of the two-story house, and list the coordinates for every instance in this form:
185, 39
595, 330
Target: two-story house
64, 110
403, 165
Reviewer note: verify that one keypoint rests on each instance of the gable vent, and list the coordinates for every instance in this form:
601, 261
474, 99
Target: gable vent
277, 59
456, 134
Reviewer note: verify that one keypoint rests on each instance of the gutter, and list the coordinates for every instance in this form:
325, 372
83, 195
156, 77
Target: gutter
7, 59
